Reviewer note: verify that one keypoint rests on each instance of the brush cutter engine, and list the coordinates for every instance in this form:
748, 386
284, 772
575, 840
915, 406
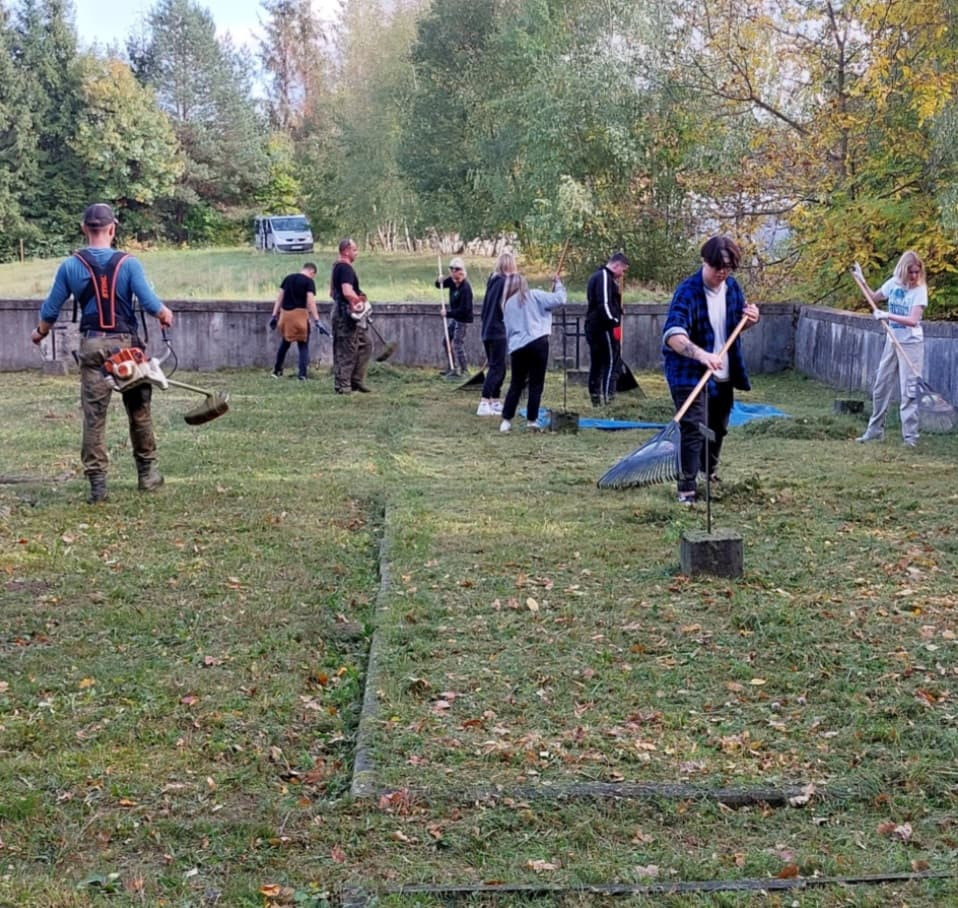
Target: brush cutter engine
130, 367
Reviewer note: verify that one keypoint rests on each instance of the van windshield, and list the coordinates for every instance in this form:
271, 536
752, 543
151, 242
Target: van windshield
290, 224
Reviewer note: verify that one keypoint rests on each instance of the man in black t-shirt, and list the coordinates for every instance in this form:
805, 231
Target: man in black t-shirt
293, 312
351, 344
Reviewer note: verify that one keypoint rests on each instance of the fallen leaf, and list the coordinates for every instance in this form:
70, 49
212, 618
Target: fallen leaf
541, 866
788, 872
270, 890
86, 682
800, 800
532, 605
338, 855
649, 870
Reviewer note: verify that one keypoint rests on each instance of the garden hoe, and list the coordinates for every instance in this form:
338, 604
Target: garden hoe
130, 366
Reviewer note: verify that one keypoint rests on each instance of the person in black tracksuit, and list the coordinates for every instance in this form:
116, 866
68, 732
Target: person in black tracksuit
603, 328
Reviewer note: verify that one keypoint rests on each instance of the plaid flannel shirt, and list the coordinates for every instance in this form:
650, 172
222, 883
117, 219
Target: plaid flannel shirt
690, 312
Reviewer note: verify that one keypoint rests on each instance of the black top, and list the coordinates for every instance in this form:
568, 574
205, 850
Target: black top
343, 273
295, 287
493, 327
605, 301
460, 300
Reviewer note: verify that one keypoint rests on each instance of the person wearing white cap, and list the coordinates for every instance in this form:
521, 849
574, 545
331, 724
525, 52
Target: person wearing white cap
459, 313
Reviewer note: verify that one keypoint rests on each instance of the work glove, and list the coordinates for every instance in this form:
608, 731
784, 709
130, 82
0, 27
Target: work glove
881, 315
321, 328
856, 270
273, 322
617, 333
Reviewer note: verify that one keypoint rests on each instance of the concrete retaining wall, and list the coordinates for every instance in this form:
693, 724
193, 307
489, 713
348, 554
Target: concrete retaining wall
839, 348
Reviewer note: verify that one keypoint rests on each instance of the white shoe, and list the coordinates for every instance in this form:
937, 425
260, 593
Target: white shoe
505, 425
862, 439
533, 427
485, 408
496, 407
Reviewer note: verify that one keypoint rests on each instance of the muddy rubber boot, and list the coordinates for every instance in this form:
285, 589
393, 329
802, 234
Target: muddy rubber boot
149, 478
97, 488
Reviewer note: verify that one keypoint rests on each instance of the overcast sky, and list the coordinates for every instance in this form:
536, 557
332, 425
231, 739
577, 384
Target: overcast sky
111, 23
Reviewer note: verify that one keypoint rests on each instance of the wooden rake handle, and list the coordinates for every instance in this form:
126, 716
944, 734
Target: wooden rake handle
888, 329
739, 328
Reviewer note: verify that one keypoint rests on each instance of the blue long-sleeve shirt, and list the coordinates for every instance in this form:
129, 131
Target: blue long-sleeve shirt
689, 314
72, 277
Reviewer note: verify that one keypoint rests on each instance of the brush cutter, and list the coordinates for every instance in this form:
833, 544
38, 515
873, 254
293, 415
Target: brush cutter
389, 347
935, 414
658, 459
130, 366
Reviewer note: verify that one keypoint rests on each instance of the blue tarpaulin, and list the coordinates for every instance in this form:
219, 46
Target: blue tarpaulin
741, 414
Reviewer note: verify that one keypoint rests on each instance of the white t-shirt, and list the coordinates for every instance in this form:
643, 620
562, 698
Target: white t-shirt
716, 303
901, 301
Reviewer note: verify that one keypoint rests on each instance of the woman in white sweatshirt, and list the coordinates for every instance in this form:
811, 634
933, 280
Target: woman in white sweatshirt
528, 318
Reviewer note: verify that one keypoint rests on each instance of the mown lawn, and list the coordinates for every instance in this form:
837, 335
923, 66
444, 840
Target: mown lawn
182, 674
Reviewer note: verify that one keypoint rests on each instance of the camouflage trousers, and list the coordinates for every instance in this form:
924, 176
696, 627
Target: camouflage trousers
95, 394
351, 352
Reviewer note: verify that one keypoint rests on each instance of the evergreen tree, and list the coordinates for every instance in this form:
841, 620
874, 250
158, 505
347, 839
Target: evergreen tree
204, 85
17, 161
53, 195
294, 52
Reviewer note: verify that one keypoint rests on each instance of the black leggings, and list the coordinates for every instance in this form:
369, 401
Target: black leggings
529, 364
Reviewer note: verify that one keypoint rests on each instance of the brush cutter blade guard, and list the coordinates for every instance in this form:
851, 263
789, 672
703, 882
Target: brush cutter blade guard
214, 405
656, 461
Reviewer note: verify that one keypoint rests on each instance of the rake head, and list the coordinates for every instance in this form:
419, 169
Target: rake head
935, 414
655, 461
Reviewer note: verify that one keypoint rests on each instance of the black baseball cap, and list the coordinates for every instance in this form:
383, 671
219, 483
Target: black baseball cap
99, 215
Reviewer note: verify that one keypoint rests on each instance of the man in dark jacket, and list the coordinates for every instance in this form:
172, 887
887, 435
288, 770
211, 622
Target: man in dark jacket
603, 328
703, 314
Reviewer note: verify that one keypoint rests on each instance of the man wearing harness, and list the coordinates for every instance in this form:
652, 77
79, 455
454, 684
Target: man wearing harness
105, 284
351, 344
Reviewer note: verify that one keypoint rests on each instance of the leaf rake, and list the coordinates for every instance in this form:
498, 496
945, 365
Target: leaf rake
658, 459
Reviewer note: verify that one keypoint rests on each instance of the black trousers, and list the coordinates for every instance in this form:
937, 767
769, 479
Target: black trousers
496, 352
711, 410
604, 353
529, 364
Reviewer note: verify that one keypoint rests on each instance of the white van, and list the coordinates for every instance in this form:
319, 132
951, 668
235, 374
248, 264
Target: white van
282, 233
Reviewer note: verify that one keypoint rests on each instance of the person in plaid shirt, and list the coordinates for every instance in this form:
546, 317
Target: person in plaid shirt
704, 311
